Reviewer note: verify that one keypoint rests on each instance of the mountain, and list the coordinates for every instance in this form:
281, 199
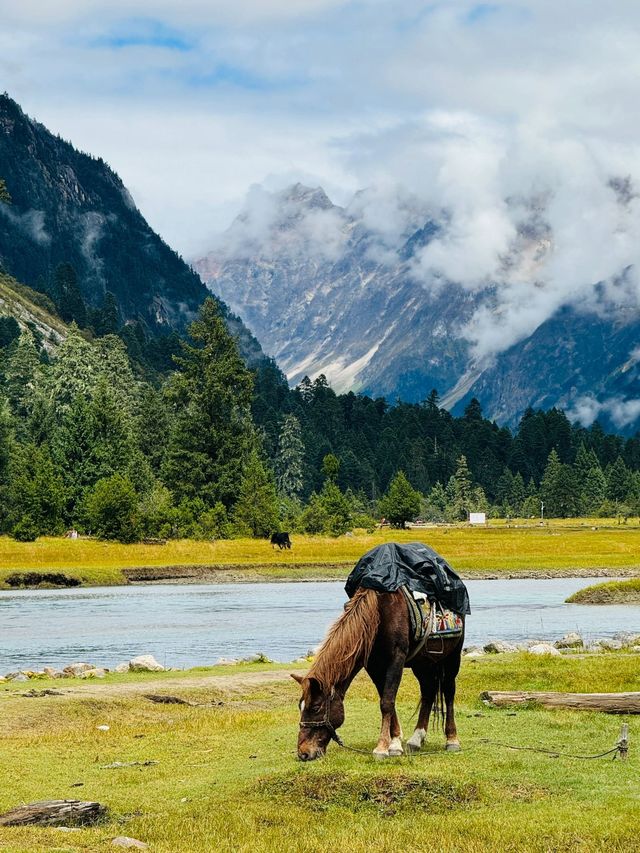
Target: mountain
338, 290
32, 310
67, 207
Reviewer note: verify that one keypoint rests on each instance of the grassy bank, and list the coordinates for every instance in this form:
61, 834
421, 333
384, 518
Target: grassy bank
612, 592
498, 549
227, 778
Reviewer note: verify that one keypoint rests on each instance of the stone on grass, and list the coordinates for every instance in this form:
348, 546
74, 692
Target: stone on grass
122, 667
627, 638
51, 672
498, 647
94, 673
145, 663
544, 649
103, 728
610, 645
572, 640
76, 669
17, 676
226, 661
133, 843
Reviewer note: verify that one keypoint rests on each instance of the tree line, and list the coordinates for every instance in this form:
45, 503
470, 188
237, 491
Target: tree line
92, 438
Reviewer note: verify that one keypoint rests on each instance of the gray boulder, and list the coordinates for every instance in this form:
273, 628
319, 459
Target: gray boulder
544, 649
571, 640
129, 843
145, 663
76, 669
17, 676
498, 647
122, 667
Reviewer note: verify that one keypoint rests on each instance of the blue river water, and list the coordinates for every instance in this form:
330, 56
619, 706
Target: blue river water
195, 624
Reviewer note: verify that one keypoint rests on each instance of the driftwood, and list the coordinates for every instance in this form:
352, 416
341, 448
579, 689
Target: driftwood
54, 813
610, 703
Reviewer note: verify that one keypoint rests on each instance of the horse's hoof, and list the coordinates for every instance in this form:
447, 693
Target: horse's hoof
454, 746
413, 747
394, 753
379, 755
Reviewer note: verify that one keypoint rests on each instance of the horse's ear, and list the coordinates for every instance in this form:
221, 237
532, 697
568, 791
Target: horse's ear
296, 677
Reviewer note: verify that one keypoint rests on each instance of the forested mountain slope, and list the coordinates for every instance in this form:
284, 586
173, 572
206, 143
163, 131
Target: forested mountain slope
67, 224
343, 291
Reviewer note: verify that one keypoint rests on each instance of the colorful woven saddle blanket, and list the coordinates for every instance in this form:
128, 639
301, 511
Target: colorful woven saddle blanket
430, 618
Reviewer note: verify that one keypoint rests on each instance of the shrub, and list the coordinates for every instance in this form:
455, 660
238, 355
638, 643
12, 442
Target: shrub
110, 509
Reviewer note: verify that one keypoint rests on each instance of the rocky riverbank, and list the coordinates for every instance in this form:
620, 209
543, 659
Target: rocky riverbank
570, 644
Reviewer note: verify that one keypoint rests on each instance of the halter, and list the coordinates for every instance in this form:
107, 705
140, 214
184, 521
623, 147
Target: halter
324, 724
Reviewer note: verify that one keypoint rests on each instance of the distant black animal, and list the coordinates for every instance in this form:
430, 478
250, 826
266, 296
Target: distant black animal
281, 540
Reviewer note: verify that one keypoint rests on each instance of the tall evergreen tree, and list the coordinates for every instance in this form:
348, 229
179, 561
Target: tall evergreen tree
23, 375
290, 459
459, 490
617, 480
212, 429
67, 295
256, 509
594, 488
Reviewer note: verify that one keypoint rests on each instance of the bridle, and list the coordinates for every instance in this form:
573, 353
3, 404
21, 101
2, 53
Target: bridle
326, 722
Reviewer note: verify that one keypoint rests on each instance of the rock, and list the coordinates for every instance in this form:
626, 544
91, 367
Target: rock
226, 661
122, 667
103, 728
94, 673
76, 669
258, 658
472, 650
54, 813
497, 647
2, 679
627, 638
609, 644
544, 649
475, 652
133, 843
17, 676
50, 672
145, 663
569, 641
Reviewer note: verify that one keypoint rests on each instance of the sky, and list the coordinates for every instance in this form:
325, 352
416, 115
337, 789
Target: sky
518, 120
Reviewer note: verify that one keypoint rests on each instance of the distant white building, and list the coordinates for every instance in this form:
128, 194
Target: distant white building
477, 518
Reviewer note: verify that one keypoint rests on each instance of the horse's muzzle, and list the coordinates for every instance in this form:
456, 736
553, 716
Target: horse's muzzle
310, 754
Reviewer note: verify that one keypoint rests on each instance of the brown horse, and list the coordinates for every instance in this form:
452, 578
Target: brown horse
374, 632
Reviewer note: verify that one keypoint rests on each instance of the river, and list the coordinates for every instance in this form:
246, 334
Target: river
191, 625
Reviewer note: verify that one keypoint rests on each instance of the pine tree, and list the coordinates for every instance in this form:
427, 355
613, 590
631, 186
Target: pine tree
256, 509
74, 373
212, 430
559, 488
331, 467
23, 375
67, 295
401, 503
153, 427
617, 480
518, 493
459, 491
107, 318
35, 494
594, 490
289, 462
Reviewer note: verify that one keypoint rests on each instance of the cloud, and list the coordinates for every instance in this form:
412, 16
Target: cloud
622, 412
513, 124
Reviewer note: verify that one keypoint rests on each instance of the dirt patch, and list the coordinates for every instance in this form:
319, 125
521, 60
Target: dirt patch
47, 579
388, 794
235, 572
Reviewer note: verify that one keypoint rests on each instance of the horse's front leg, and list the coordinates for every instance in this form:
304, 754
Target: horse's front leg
387, 682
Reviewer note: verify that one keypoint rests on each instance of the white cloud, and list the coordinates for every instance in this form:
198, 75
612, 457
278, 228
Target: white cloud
508, 121
622, 412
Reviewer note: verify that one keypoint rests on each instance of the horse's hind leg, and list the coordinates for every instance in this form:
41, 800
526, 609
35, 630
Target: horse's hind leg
426, 675
452, 666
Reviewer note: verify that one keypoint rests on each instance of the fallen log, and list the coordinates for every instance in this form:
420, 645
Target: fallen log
610, 703
54, 813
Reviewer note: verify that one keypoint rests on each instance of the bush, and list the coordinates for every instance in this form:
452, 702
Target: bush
110, 509
26, 530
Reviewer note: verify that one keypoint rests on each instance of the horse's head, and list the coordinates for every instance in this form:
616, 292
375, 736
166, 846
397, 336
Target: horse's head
321, 713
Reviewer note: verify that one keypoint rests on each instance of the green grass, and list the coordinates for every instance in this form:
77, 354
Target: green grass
227, 778
612, 592
500, 549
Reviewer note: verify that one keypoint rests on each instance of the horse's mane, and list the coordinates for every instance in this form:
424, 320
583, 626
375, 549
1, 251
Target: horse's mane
348, 641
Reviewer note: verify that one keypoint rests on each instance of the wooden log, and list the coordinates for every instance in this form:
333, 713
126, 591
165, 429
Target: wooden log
54, 813
610, 703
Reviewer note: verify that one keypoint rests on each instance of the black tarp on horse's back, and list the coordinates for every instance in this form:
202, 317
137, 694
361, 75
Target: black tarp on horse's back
388, 567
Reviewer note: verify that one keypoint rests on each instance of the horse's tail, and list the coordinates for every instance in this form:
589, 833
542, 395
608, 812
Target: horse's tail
438, 707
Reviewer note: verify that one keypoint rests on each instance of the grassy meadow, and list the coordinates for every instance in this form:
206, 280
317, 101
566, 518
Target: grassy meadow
561, 546
612, 592
227, 779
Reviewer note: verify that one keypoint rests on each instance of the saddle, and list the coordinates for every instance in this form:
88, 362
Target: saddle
429, 619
